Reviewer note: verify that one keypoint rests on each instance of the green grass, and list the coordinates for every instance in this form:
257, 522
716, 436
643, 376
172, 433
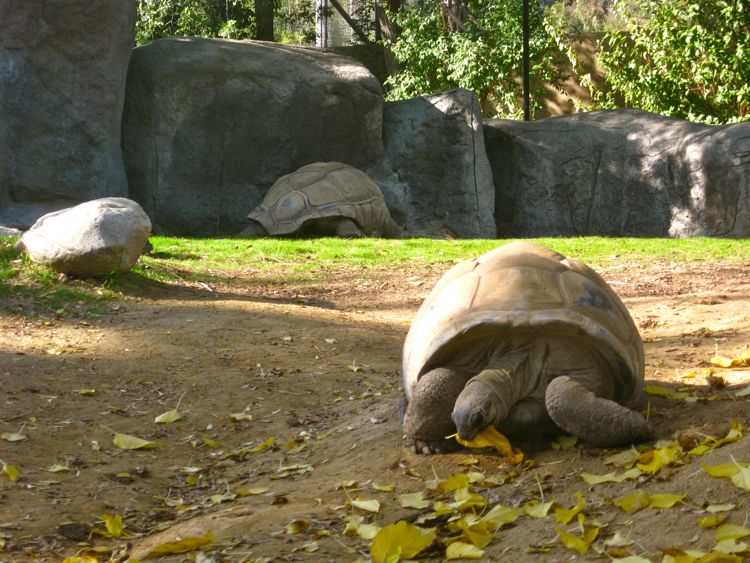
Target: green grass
28, 287
267, 254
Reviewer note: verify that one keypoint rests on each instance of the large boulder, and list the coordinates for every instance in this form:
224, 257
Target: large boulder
95, 238
62, 81
210, 124
442, 182
620, 173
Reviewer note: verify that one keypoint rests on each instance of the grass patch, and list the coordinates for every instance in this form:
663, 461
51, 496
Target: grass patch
33, 290
196, 255
28, 288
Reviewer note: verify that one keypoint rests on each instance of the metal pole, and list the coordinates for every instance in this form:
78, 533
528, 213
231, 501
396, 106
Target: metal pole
526, 107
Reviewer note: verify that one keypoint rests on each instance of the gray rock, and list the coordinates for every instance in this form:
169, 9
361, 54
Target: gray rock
62, 81
9, 231
620, 173
210, 124
442, 182
91, 239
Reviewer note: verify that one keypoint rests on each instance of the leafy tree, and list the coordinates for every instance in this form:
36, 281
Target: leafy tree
683, 58
474, 44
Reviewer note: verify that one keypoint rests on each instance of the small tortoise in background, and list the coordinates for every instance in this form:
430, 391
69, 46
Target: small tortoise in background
526, 340
323, 198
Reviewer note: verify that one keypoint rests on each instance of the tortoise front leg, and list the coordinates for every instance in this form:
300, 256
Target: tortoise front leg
598, 421
428, 415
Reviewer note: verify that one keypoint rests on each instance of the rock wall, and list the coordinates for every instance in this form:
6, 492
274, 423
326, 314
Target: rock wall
209, 125
62, 81
620, 173
442, 181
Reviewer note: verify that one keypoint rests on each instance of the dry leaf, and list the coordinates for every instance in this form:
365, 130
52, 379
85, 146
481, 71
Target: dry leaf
731, 531
401, 540
182, 546
384, 488
57, 468
731, 546
213, 444
634, 502
87, 392
592, 479
170, 416
537, 509
491, 438
665, 500
310, 547
297, 526
564, 442
460, 550
113, 524
267, 443
660, 391
579, 544
253, 491
711, 521
565, 515
413, 500
366, 505
128, 442
652, 461
244, 415
355, 526
12, 436
11, 472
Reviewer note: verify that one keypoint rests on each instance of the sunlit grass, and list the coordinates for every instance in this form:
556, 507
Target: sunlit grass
283, 261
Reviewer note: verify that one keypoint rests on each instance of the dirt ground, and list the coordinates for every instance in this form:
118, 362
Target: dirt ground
317, 368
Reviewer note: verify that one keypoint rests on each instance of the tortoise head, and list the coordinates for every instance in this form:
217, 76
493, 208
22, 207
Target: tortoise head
476, 408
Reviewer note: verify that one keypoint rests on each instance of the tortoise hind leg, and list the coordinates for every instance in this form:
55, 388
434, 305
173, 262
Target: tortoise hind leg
598, 421
346, 228
428, 415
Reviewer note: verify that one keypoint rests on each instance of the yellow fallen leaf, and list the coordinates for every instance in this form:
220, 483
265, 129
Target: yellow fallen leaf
460, 550
213, 444
564, 442
11, 472
57, 468
726, 507
81, 559
182, 546
652, 461
579, 544
128, 442
252, 491
565, 515
297, 526
113, 524
618, 540
474, 530
12, 436
744, 392
631, 559
413, 500
170, 416
463, 499
366, 505
267, 443
384, 488
455, 481
742, 478
238, 416
626, 458
711, 521
87, 392
731, 531
401, 540
310, 547
634, 502
730, 546
723, 470
491, 438
660, 391
664, 500
591, 479
724, 362
356, 526
537, 509
500, 515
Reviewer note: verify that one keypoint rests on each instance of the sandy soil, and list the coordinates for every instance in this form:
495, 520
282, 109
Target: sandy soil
317, 368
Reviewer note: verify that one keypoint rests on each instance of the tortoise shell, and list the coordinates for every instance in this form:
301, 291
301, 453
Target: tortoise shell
523, 288
321, 190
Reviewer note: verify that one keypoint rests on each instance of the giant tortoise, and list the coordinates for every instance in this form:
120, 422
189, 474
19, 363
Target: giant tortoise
323, 198
528, 341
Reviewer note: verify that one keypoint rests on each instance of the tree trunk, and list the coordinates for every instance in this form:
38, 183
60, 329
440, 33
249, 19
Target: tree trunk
264, 20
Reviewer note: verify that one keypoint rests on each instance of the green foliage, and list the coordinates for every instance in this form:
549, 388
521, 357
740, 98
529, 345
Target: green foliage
484, 54
230, 19
683, 58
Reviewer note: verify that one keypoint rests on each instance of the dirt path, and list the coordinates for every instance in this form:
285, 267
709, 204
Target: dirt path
317, 369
